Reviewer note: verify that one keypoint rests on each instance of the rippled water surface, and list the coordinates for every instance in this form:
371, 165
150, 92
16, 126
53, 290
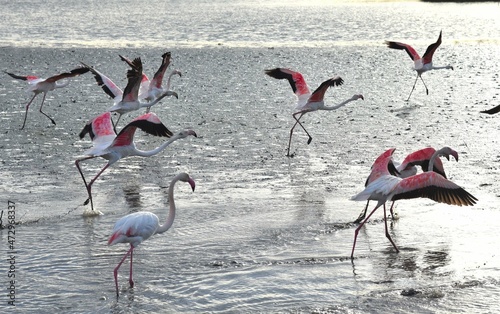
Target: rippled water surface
262, 232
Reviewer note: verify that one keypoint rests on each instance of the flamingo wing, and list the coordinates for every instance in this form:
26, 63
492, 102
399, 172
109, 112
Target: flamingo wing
101, 132
296, 80
72, 73
433, 186
134, 76
492, 110
134, 228
22, 78
319, 93
427, 58
158, 77
107, 85
149, 123
409, 49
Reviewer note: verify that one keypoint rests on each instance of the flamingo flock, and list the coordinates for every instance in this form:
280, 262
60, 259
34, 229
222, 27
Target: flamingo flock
388, 181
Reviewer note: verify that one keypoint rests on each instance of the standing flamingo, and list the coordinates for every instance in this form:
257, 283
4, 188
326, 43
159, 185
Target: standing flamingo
423, 64
408, 168
137, 227
388, 187
112, 147
307, 102
39, 85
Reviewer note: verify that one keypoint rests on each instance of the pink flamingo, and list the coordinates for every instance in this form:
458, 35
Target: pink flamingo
112, 147
39, 85
307, 102
388, 187
408, 168
423, 64
140, 226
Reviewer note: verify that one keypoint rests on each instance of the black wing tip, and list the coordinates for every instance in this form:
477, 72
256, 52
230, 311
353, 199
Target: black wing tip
87, 129
19, 77
492, 110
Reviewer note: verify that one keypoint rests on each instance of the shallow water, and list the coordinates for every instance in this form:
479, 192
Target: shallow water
262, 232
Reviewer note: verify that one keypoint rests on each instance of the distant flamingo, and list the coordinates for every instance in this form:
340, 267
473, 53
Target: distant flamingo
391, 188
39, 85
407, 168
137, 227
130, 100
307, 102
112, 147
423, 64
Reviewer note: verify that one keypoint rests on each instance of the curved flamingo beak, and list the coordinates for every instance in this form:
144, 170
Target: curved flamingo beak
192, 184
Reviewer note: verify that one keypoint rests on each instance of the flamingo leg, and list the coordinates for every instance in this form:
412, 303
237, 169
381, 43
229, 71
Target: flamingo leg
392, 212
27, 107
293, 127
116, 123
361, 225
413, 87
41, 106
388, 236
131, 282
89, 185
426, 89
362, 215
115, 271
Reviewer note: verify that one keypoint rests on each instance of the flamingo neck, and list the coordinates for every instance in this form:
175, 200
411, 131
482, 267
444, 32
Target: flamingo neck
171, 211
337, 106
167, 87
442, 67
431, 160
149, 153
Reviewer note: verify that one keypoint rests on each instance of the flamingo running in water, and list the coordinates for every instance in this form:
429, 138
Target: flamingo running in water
423, 64
307, 102
408, 168
388, 187
39, 85
140, 226
112, 147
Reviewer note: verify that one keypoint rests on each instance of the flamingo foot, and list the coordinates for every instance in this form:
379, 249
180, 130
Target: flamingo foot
360, 218
131, 282
53, 122
427, 91
86, 201
309, 140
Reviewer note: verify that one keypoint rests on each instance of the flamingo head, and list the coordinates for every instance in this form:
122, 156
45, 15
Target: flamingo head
184, 177
186, 133
358, 96
447, 151
177, 72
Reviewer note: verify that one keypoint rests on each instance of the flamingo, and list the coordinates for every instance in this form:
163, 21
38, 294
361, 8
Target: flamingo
408, 168
112, 147
423, 64
140, 226
130, 99
40, 85
307, 102
388, 187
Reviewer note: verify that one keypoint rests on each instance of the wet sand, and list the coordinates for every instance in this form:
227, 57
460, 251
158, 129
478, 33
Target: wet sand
253, 207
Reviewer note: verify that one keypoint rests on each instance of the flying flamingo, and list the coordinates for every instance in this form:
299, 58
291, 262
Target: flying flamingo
112, 147
423, 64
39, 85
307, 102
137, 227
392, 188
154, 87
408, 168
